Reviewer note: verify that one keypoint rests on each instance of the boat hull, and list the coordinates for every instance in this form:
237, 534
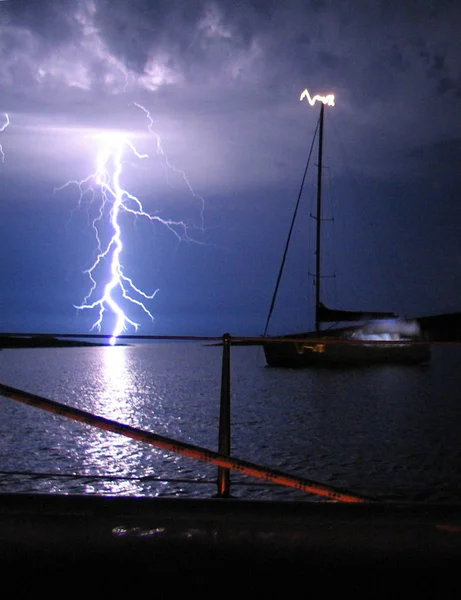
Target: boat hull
293, 354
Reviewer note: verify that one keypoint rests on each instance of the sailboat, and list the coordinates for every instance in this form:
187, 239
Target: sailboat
376, 337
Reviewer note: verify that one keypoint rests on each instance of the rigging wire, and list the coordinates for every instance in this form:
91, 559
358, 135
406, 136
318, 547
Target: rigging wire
279, 277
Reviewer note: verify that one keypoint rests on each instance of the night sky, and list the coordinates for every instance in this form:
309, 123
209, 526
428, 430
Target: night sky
227, 145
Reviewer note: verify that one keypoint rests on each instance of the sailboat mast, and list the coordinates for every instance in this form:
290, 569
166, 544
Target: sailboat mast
319, 221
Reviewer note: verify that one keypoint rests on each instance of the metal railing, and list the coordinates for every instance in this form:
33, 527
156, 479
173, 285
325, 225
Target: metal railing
223, 458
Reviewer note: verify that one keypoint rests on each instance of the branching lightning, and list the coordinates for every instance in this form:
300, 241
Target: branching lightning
329, 99
115, 200
168, 165
2, 128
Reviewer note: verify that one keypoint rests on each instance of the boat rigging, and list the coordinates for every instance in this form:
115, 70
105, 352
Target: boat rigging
368, 343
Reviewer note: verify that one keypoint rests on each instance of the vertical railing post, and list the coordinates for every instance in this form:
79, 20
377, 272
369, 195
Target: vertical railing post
224, 418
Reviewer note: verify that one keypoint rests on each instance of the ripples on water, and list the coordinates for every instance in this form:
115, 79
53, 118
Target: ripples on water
390, 431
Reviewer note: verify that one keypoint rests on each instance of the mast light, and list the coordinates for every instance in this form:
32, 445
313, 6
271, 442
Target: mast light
329, 99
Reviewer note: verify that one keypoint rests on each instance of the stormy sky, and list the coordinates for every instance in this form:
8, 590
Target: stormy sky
208, 94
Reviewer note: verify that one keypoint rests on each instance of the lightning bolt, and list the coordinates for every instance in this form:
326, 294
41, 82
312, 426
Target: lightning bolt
167, 163
329, 99
2, 128
115, 200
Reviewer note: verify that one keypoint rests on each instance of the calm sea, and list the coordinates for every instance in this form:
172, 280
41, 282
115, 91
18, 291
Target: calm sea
390, 431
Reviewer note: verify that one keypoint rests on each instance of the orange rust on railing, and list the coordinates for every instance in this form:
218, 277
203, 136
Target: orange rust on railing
182, 448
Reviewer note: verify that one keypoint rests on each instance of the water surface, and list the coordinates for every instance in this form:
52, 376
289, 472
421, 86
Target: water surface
391, 431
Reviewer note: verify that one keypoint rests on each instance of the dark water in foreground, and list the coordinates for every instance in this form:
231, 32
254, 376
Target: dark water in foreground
390, 431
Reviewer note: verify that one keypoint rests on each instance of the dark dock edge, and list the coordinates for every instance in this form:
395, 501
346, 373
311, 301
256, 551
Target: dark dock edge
191, 534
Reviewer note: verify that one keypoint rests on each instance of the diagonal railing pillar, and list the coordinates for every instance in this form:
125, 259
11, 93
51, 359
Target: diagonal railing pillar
166, 443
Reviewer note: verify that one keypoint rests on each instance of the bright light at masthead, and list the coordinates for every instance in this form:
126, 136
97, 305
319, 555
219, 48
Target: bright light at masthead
329, 99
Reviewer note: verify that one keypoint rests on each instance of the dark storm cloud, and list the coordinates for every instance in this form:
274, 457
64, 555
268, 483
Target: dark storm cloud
239, 66
134, 33
53, 21
350, 45
443, 158
439, 71
222, 80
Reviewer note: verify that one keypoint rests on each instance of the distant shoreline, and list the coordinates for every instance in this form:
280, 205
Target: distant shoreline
42, 341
